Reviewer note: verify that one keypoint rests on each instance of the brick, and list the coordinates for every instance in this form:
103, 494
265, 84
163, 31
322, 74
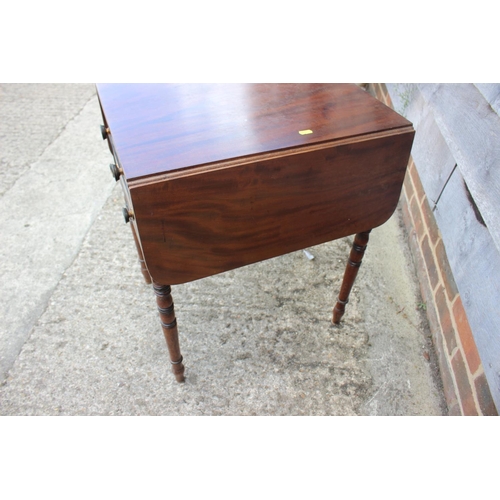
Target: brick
445, 320
443, 359
486, 404
446, 273
430, 221
464, 388
435, 326
417, 183
383, 91
449, 392
378, 92
408, 186
406, 214
387, 98
454, 410
466, 337
418, 222
411, 166
428, 298
428, 254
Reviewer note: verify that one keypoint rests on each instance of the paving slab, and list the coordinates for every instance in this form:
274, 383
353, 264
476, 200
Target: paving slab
256, 340
53, 188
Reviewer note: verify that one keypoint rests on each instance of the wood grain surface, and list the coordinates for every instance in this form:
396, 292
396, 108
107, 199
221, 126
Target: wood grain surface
217, 219
221, 176
217, 177
158, 128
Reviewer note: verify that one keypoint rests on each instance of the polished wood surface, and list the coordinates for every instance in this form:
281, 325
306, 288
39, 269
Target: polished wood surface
169, 326
158, 128
217, 177
210, 221
351, 271
221, 176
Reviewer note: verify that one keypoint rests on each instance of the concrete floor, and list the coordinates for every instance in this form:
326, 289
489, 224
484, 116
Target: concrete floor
80, 333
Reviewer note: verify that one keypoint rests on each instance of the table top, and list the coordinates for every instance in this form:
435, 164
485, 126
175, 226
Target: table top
222, 176
159, 128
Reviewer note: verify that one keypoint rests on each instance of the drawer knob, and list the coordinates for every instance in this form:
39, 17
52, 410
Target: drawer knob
104, 132
115, 171
127, 214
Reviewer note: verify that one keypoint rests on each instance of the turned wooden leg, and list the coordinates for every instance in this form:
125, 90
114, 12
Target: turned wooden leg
144, 269
169, 326
351, 271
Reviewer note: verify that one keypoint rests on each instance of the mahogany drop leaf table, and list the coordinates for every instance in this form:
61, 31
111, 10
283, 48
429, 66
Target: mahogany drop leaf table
219, 176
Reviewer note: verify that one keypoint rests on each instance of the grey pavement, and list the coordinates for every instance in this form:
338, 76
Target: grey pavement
80, 333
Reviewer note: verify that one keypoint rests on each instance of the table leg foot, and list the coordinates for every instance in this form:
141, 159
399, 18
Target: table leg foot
169, 327
351, 271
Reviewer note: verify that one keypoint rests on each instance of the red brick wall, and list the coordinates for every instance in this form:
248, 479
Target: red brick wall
465, 386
